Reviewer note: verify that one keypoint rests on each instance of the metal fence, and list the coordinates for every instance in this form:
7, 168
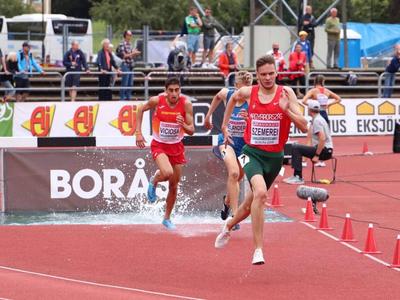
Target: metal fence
60, 84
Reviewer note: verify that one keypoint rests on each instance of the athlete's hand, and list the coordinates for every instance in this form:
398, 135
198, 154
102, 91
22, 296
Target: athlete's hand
207, 123
284, 100
181, 121
227, 137
140, 141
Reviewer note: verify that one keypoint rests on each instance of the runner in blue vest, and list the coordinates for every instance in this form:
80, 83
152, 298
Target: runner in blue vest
229, 153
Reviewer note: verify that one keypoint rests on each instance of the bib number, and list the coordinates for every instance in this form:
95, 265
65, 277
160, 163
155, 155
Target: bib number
243, 160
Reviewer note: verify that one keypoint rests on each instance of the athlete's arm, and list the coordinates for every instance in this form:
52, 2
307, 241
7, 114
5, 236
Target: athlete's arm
239, 95
152, 103
290, 106
336, 98
220, 96
187, 122
320, 146
308, 96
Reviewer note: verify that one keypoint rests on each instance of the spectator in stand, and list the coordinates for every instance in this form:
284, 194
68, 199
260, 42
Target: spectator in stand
332, 28
74, 61
6, 79
26, 64
105, 62
297, 63
308, 24
127, 54
178, 61
228, 63
390, 72
209, 26
118, 62
280, 63
305, 47
193, 24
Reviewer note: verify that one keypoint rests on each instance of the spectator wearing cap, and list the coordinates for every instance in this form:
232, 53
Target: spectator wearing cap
305, 46
308, 24
332, 28
105, 63
26, 64
280, 62
74, 61
126, 52
321, 144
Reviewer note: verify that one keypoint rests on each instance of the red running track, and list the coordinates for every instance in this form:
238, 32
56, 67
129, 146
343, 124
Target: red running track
145, 262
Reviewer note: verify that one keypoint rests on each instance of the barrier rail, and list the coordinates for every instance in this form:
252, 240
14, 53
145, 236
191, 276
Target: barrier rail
31, 74
64, 78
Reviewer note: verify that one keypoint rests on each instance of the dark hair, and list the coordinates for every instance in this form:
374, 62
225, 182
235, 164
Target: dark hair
319, 79
126, 32
171, 81
264, 60
227, 44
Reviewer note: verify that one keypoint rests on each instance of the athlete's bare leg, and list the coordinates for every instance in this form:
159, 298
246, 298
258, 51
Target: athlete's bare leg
165, 170
234, 176
173, 189
243, 211
257, 208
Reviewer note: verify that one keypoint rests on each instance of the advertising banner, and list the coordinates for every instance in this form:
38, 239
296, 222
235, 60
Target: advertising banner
105, 180
70, 119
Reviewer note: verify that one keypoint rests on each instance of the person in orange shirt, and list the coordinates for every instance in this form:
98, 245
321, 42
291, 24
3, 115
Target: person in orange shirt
297, 63
172, 118
228, 63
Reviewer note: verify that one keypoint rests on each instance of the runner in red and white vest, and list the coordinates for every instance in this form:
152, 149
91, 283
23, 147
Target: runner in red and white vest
271, 110
172, 119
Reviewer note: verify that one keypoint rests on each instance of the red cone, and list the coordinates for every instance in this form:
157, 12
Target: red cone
347, 234
309, 217
365, 150
370, 245
276, 199
323, 221
396, 255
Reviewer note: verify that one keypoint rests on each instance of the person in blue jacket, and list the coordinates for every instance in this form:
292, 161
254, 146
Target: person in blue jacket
26, 64
390, 72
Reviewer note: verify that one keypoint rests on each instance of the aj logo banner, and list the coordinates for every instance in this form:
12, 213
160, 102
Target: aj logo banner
6, 119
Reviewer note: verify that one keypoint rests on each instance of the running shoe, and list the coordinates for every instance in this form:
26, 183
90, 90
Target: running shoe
225, 210
223, 238
258, 257
168, 224
315, 209
151, 191
294, 180
304, 164
320, 164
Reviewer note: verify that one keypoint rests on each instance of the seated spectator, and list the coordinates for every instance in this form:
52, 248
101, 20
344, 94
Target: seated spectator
321, 144
297, 63
179, 61
6, 80
280, 63
228, 63
105, 62
390, 72
305, 47
74, 61
26, 64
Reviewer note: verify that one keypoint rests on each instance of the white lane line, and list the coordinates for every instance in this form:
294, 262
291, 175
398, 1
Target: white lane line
4, 298
351, 246
99, 284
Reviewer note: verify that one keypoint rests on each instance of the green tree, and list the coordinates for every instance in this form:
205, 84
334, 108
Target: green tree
13, 8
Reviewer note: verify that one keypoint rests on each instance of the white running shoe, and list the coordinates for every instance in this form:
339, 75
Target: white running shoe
258, 257
223, 238
320, 164
304, 164
293, 180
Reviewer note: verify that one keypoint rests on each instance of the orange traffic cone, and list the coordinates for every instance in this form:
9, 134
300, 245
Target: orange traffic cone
370, 245
309, 216
276, 199
323, 221
347, 234
396, 255
365, 150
